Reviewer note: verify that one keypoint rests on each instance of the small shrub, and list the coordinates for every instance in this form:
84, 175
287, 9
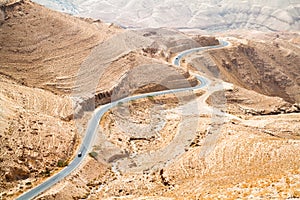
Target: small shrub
62, 163
150, 98
28, 183
93, 154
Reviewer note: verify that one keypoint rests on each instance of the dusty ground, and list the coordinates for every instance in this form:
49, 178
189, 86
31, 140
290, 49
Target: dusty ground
35, 135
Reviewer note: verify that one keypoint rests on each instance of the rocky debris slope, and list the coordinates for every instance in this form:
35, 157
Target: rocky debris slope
268, 64
240, 101
36, 136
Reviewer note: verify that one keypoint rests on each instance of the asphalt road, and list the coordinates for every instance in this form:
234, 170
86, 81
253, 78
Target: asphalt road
176, 60
98, 113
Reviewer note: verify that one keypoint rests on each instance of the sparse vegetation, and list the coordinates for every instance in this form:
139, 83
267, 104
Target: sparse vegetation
150, 98
28, 183
62, 163
46, 172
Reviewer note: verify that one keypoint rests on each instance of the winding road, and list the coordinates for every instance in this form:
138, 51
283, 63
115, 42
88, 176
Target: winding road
97, 115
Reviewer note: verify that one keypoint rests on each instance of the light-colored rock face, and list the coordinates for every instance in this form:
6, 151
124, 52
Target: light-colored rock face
213, 15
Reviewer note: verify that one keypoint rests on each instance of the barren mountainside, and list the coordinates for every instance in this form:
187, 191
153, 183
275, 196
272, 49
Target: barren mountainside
271, 68
213, 15
234, 137
47, 57
266, 63
39, 47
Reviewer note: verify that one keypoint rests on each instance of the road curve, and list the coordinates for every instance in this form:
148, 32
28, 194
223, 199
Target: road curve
99, 112
176, 60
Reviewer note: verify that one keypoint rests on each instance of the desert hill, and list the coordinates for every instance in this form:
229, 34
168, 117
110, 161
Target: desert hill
265, 63
213, 15
233, 139
39, 47
270, 67
253, 152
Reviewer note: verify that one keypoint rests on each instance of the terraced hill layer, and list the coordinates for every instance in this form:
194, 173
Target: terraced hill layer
39, 47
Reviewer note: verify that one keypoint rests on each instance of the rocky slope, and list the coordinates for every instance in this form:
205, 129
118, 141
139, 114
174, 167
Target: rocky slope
42, 48
38, 48
265, 63
34, 135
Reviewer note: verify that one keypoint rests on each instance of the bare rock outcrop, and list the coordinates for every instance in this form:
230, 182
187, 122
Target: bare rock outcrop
206, 40
269, 67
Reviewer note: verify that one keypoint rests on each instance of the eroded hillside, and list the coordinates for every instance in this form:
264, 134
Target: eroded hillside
34, 137
40, 47
266, 63
239, 156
